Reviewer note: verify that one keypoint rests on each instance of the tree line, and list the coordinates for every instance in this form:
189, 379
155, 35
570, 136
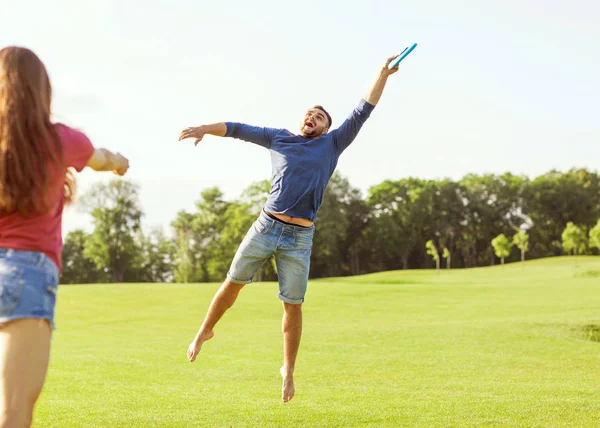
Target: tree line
409, 223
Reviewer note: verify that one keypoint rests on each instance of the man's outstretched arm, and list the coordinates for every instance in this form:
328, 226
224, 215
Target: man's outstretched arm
254, 134
198, 132
347, 132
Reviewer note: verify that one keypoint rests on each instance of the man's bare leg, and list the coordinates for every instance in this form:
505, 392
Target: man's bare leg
291, 327
223, 300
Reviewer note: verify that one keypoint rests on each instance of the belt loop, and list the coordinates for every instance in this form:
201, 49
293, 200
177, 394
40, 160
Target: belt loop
266, 217
271, 222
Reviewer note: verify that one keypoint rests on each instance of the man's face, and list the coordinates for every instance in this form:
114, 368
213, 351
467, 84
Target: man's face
315, 124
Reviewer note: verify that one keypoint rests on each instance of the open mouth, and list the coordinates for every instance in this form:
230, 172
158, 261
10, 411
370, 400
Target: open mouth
309, 124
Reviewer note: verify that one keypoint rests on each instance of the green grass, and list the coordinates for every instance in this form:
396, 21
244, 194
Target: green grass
491, 347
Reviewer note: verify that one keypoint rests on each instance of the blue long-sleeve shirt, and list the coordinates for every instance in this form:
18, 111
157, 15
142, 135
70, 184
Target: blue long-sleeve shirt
301, 167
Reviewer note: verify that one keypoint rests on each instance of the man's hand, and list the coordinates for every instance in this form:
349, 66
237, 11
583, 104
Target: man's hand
193, 132
386, 70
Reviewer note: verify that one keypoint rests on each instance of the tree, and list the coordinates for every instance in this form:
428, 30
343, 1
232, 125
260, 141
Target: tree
78, 269
207, 228
433, 252
399, 213
199, 256
330, 230
502, 246
117, 218
556, 198
357, 214
184, 263
339, 225
521, 241
494, 206
573, 239
595, 236
448, 214
157, 255
446, 254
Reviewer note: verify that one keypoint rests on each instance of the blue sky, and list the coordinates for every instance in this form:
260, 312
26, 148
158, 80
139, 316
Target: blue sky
493, 86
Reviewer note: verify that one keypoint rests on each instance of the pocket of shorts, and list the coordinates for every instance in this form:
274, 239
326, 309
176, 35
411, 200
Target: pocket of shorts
304, 239
260, 228
11, 287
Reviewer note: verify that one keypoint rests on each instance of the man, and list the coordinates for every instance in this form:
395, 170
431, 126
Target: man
302, 166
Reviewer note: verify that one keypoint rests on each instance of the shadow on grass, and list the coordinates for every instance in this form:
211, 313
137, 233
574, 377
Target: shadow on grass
589, 332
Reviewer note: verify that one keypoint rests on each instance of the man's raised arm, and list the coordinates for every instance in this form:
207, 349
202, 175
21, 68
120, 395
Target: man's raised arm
347, 132
374, 94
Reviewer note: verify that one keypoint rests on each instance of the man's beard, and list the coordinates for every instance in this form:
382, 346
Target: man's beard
310, 132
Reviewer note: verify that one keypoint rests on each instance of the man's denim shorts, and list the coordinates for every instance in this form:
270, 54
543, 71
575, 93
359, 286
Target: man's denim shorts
291, 245
28, 285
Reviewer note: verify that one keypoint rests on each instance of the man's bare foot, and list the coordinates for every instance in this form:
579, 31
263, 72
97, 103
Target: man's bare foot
287, 389
194, 348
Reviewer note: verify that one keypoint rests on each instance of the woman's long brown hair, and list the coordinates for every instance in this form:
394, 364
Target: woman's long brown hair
30, 150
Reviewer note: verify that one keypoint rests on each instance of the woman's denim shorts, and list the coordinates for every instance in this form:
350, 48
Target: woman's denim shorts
28, 285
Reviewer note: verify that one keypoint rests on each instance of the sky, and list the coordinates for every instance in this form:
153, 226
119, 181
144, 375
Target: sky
492, 87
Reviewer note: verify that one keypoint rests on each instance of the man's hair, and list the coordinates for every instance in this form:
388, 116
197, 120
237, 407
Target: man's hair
326, 114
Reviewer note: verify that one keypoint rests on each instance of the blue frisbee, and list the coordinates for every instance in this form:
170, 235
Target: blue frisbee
400, 57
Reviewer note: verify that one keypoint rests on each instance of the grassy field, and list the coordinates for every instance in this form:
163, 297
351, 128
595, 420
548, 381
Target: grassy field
493, 347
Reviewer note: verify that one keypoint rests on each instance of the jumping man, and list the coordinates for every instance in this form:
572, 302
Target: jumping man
302, 166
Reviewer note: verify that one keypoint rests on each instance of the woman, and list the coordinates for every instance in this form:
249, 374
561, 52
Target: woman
35, 184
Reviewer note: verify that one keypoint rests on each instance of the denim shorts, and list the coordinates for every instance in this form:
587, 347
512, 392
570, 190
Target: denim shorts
28, 285
291, 245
